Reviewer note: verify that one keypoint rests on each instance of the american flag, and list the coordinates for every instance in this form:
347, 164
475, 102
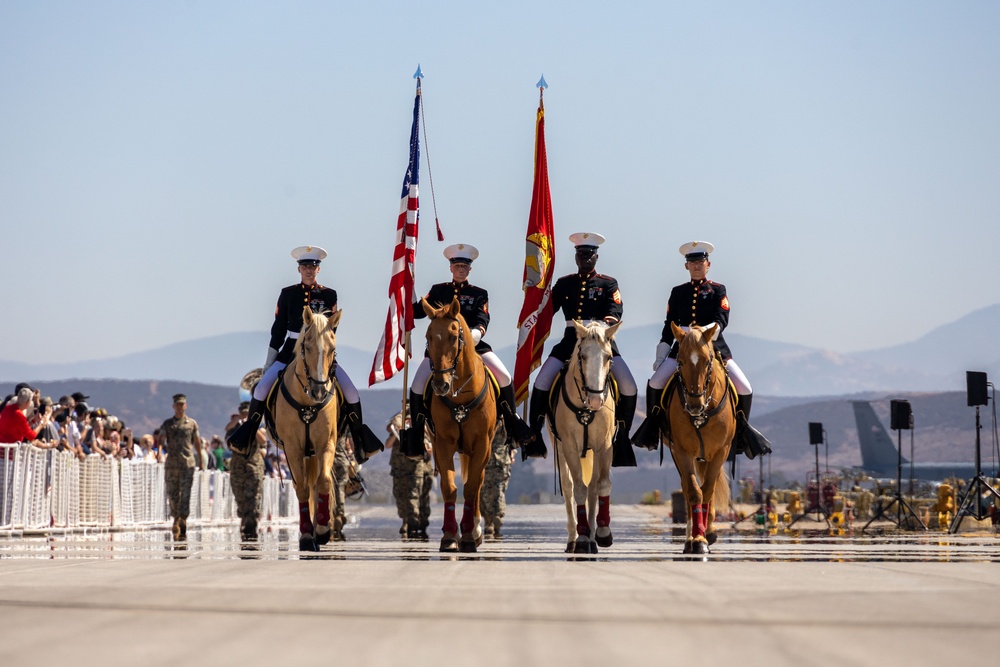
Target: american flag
390, 357
535, 321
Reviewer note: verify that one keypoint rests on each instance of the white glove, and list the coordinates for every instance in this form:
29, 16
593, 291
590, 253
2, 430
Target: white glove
662, 350
477, 335
272, 354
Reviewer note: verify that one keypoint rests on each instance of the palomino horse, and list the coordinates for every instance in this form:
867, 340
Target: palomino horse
464, 413
700, 426
584, 419
305, 421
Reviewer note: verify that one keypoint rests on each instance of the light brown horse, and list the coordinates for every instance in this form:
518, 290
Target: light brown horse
701, 422
463, 409
584, 414
305, 421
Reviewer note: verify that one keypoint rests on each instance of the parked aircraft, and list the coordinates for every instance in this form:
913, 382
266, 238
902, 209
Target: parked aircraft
879, 456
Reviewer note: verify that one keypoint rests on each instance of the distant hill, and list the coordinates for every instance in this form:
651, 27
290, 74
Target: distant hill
936, 361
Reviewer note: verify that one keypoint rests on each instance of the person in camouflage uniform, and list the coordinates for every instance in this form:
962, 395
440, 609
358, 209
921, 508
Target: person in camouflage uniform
493, 501
180, 433
246, 477
412, 480
341, 473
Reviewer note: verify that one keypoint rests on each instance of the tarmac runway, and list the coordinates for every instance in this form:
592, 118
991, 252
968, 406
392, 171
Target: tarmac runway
802, 598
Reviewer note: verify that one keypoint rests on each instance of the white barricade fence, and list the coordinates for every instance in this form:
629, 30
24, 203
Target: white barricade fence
41, 490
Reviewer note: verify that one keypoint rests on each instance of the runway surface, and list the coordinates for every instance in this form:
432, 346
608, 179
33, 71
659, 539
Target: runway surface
802, 598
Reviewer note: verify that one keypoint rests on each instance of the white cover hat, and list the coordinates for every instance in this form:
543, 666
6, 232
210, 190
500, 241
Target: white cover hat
309, 254
696, 250
586, 238
461, 253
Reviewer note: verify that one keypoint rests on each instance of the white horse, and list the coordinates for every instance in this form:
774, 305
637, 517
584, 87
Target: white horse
584, 416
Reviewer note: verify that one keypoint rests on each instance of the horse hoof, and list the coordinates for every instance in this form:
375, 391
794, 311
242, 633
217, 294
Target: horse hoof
699, 548
711, 537
593, 547
605, 541
308, 543
449, 543
322, 538
338, 536
581, 546
687, 547
570, 547
468, 546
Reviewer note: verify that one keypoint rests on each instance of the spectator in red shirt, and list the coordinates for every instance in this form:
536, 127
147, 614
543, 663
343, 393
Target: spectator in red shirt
13, 423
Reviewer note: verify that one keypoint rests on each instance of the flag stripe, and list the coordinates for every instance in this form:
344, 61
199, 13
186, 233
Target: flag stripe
390, 356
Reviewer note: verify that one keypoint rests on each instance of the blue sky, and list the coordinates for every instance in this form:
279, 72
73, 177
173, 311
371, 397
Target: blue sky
159, 160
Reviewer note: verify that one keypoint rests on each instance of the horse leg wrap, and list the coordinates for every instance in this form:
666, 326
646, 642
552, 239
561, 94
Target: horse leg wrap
603, 511
450, 524
323, 510
468, 519
305, 523
582, 525
699, 519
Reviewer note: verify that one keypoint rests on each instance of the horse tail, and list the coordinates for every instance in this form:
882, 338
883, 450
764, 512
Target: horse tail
721, 494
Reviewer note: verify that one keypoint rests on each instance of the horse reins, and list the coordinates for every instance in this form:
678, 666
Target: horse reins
702, 419
583, 414
309, 412
460, 411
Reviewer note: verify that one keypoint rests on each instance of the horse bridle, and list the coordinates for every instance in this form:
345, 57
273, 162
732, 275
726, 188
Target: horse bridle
585, 415
317, 389
685, 394
454, 366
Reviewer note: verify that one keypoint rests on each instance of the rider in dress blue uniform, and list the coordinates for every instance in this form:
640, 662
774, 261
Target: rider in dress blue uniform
585, 296
281, 348
474, 304
700, 302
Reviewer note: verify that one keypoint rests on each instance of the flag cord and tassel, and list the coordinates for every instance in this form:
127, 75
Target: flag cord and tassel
430, 174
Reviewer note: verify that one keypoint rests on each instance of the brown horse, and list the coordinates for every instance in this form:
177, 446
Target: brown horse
305, 421
584, 413
701, 422
463, 409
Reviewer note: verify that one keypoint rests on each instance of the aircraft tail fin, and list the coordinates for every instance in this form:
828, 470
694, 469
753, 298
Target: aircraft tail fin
878, 453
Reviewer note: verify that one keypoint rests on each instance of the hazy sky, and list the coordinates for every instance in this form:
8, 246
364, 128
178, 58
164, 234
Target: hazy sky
159, 160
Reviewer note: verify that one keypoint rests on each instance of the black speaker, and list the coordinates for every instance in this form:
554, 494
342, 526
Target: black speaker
975, 382
900, 416
815, 433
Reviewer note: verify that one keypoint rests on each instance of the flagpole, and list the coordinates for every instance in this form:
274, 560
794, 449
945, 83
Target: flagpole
418, 75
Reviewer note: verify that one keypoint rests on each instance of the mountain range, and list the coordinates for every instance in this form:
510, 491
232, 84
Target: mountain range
934, 362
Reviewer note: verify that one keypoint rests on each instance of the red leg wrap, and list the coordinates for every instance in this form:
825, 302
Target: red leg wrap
305, 523
323, 510
699, 520
468, 519
582, 525
603, 511
450, 524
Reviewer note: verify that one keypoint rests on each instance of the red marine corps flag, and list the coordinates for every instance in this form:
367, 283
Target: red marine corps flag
535, 320
390, 357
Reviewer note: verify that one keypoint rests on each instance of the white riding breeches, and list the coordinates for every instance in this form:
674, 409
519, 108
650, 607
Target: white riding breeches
490, 360
271, 374
662, 374
619, 369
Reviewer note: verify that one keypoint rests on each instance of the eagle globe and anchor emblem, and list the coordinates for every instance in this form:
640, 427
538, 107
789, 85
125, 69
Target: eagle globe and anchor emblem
537, 258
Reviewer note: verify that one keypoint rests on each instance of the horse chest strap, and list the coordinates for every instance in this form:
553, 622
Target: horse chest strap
585, 416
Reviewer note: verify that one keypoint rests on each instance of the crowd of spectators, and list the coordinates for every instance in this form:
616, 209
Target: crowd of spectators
72, 424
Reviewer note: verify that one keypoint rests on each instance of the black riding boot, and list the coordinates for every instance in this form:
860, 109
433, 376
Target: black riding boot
648, 433
516, 429
622, 455
748, 440
366, 442
412, 439
538, 408
244, 439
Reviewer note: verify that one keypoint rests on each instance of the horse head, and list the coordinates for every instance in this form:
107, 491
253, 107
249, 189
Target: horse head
593, 357
446, 341
316, 348
695, 354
